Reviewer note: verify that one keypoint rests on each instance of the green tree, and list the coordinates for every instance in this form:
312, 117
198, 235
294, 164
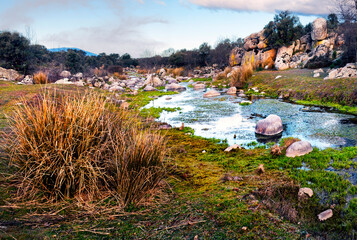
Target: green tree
285, 29
75, 61
204, 52
14, 51
332, 21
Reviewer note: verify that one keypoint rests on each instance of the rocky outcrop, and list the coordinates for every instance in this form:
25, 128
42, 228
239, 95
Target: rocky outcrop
9, 75
319, 29
270, 126
28, 80
348, 71
315, 49
298, 149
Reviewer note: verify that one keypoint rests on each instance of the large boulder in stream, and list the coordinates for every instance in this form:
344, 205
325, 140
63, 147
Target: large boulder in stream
270, 126
299, 149
175, 87
212, 93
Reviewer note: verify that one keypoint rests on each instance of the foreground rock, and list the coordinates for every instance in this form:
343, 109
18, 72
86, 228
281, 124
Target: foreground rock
233, 147
175, 87
303, 192
270, 126
299, 149
212, 93
348, 71
325, 215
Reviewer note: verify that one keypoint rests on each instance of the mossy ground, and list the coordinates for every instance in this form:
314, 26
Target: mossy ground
196, 200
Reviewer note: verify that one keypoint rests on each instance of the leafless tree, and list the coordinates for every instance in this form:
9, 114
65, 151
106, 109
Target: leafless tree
347, 10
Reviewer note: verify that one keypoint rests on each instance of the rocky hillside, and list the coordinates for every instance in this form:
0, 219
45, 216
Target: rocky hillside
317, 49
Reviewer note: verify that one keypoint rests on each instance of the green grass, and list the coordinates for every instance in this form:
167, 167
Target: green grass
301, 87
156, 111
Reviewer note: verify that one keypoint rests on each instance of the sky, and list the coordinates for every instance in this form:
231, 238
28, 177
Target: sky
146, 27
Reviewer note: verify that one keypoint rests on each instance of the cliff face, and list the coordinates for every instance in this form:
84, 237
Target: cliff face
316, 48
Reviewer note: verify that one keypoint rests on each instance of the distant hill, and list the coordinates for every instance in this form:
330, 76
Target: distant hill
64, 49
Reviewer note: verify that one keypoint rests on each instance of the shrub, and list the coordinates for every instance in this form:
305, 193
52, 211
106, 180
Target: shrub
40, 78
67, 146
240, 75
120, 76
143, 71
178, 71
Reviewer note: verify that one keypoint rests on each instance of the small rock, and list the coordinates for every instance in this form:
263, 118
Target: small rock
325, 215
232, 90
233, 147
244, 228
298, 149
316, 75
199, 86
305, 191
149, 88
204, 151
277, 77
168, 98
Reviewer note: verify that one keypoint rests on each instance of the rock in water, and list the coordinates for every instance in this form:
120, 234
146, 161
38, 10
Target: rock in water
232, 90
270, 126
299, 149
319, 29
199, 86
175, 87
212, 93
325, 215
149, 88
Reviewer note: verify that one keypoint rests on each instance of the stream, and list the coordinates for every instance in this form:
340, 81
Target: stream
224, 118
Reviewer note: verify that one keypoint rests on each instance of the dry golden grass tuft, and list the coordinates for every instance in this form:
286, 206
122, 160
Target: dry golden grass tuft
40, 78
73, 147
120, 76
143, 71
240, 75
178, 71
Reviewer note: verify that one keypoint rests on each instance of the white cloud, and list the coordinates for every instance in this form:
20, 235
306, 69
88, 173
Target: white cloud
124, 37
308, 7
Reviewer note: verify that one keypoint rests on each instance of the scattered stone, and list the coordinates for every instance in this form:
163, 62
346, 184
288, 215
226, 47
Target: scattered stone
149, 89
232, 91
175, 87
244, 228
204, 151
28, 80
270, 126
316, 75
325, 215
212, 93
199, 86
277, 77
168, 98
64, 81
319, 71
298, 149
65, 74
79, 83
233, 147
305, 192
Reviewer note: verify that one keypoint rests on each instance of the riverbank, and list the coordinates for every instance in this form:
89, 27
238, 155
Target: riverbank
300, 86
207, 193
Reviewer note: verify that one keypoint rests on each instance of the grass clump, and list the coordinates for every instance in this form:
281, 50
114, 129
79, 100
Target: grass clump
67, 146
239, 76
156, 111
40, 78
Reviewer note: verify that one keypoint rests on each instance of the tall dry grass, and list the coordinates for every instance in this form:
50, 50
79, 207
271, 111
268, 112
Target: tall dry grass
40, 78
69, 146
240, 75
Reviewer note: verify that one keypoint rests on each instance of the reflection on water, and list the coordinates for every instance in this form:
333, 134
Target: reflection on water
222, 117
